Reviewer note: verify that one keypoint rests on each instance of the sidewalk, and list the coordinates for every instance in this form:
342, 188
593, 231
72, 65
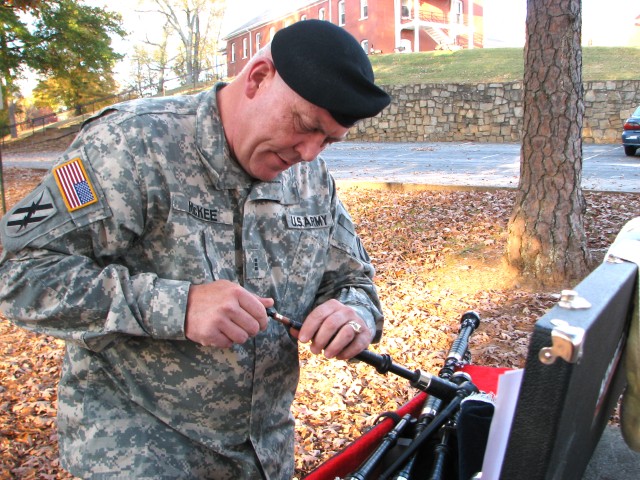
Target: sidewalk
612, 459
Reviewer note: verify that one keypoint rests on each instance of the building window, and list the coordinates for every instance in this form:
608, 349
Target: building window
321, 14
341, 14
405, 9
365, 46
233, 53
258, 40
272, 32
364, 9
458, 16
303, 18
245, 47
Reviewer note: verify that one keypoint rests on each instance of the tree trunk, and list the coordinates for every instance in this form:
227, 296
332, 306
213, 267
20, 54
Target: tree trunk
13, 129
547, 239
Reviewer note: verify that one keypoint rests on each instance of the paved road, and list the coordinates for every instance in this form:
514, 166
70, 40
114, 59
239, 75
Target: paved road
605, 167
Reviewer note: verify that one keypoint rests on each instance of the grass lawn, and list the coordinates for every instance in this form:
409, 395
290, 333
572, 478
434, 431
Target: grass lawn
495, 65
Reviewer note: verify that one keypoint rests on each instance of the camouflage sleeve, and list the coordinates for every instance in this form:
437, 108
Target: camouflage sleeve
59, 270
349, 274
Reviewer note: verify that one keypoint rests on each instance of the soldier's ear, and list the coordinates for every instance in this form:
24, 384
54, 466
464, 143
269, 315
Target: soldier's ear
260, 73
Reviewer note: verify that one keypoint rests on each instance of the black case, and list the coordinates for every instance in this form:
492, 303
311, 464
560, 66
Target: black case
564, 406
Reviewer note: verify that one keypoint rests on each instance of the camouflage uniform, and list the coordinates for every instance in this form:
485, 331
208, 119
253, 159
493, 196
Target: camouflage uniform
145, 202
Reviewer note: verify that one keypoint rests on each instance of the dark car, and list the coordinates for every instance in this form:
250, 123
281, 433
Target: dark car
631, 133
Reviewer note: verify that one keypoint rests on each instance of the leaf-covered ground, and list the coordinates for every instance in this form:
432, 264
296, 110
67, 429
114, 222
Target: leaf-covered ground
437, 253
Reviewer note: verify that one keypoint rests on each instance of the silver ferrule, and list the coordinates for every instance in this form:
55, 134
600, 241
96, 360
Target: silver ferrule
423, 381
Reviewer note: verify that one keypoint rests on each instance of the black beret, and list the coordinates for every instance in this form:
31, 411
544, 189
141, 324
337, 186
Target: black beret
326, 66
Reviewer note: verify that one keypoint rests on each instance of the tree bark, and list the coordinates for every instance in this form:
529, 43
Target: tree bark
547, 239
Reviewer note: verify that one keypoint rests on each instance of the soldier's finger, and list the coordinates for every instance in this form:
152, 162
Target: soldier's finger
217, 339
321, 324
236, 333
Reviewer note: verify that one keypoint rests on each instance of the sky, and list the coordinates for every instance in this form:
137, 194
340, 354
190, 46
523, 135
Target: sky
607, 23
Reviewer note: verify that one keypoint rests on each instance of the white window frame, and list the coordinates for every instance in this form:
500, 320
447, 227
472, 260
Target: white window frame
364, 9
245, 47
233, 53
258, 41
342, 14
321, 14
365, 46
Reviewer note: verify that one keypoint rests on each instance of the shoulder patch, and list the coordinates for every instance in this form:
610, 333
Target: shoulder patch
75, 186
25, 218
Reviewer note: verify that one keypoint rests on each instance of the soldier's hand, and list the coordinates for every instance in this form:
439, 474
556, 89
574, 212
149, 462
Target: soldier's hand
222, 313
337, 329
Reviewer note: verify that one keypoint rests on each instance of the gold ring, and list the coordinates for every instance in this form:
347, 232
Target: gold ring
356, 326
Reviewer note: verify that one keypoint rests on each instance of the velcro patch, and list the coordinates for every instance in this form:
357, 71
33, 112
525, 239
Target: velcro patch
309, 221
27, 217
74, 184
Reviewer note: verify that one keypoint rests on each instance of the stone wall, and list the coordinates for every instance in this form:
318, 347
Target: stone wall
488, 112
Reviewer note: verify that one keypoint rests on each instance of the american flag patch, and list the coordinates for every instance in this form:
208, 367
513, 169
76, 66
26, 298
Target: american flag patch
74, 185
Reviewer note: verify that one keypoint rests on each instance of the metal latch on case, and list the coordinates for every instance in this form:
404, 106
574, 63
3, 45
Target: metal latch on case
570, 300
566, 343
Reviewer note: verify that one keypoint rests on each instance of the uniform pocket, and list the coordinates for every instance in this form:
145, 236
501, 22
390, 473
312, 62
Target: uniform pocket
194, 240
179, 222
308, 263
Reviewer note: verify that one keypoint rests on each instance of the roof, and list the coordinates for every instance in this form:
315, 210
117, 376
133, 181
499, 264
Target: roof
269, 14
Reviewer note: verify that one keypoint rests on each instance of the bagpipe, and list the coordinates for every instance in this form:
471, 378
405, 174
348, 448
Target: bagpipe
440, 434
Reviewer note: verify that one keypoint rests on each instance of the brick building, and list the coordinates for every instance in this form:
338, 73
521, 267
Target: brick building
381, 26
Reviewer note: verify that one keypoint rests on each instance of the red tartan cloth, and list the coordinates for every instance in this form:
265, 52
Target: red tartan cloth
349, 459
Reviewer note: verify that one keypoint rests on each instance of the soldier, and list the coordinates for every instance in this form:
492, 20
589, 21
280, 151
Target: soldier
157, 241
